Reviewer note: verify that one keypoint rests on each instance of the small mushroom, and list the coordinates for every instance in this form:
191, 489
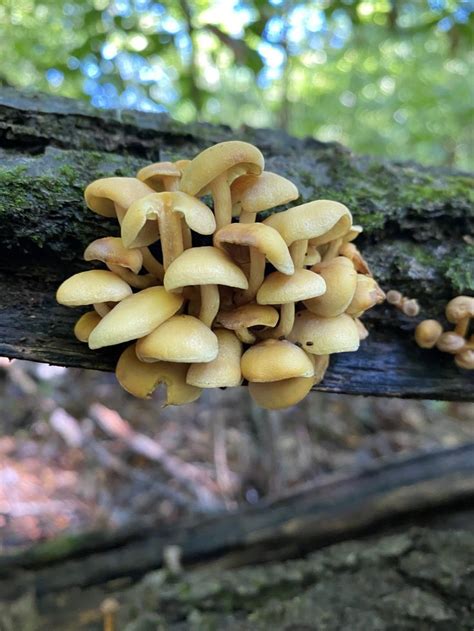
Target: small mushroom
223, 371
427, 333
450, 342
85, 325
279, 289
124, 262
275, 360
167, 208
245, 317
324, 336
465, 359
135, 317
367, 295
93, 286
112, 196
142, 379
182, 339
277, 395
205, 267
394, 297
215, 168
265, 244
252, 194
308, 221
341, 282
459, 311
410, 307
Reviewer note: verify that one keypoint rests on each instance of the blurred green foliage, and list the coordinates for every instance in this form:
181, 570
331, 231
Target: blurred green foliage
384, 77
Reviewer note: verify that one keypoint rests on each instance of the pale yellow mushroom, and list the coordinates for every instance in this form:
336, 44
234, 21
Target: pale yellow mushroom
215, 168
85, 325
223, 371
93, 286
205, 267
459, 311
135, 317
324, 336
341, 282
252, 194
367, 294
142, 379
277, 395
427, 333
182, 338
275, 360
465, 359
245, 317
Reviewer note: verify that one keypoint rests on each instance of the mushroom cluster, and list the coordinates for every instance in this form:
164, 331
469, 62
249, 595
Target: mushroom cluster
267, 302
430, 333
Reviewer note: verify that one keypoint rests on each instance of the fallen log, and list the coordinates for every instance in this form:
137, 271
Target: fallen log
415, 220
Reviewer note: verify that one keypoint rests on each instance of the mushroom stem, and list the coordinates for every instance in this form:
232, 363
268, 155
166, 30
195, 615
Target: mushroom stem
462, 326
245, 336
246, 217
151, 264
285, 323
298, 252
256, 276
222, 201
210, 300
332, 250
171, 235
134, 280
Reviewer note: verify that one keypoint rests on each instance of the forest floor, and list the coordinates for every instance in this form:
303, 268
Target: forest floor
69, 462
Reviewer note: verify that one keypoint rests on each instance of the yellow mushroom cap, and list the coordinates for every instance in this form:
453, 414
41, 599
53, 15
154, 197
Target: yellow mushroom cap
459, 308
203, 266
261, 237
280, 394
223, 371
352, 234
233, 157
102, 195
465, 359
85, 325
275, 360
153, 174
86, 288
182, 338
324, 336
142, 379
135, 317
279, 289
247, 316
427, 333
197, 215
450, 342
341, 281
312, 220
367, 294
111, 250
255, 193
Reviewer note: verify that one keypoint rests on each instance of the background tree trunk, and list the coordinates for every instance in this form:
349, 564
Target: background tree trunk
417, 224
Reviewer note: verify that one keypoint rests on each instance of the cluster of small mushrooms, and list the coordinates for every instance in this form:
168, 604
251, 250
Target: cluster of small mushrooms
267, 302
430, 333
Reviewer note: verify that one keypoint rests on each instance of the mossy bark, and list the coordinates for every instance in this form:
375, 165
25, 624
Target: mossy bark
417, 224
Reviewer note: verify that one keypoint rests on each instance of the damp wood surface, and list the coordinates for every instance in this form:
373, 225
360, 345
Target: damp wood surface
416, 221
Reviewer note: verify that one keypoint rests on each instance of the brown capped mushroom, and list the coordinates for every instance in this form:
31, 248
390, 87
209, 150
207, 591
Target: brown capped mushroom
278, 289
215, 168
427, 333
205, 267
309, 221
265, 244
223, 371
93, 286
459, 311
168, 208
324, 336
182, 339
141, 379
367, 295
124, 262
252, 194
275, 360
85, 325
135, 317
341, 282
245, 317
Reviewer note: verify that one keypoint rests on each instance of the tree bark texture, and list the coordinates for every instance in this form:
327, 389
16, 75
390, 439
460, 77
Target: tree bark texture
417, 221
